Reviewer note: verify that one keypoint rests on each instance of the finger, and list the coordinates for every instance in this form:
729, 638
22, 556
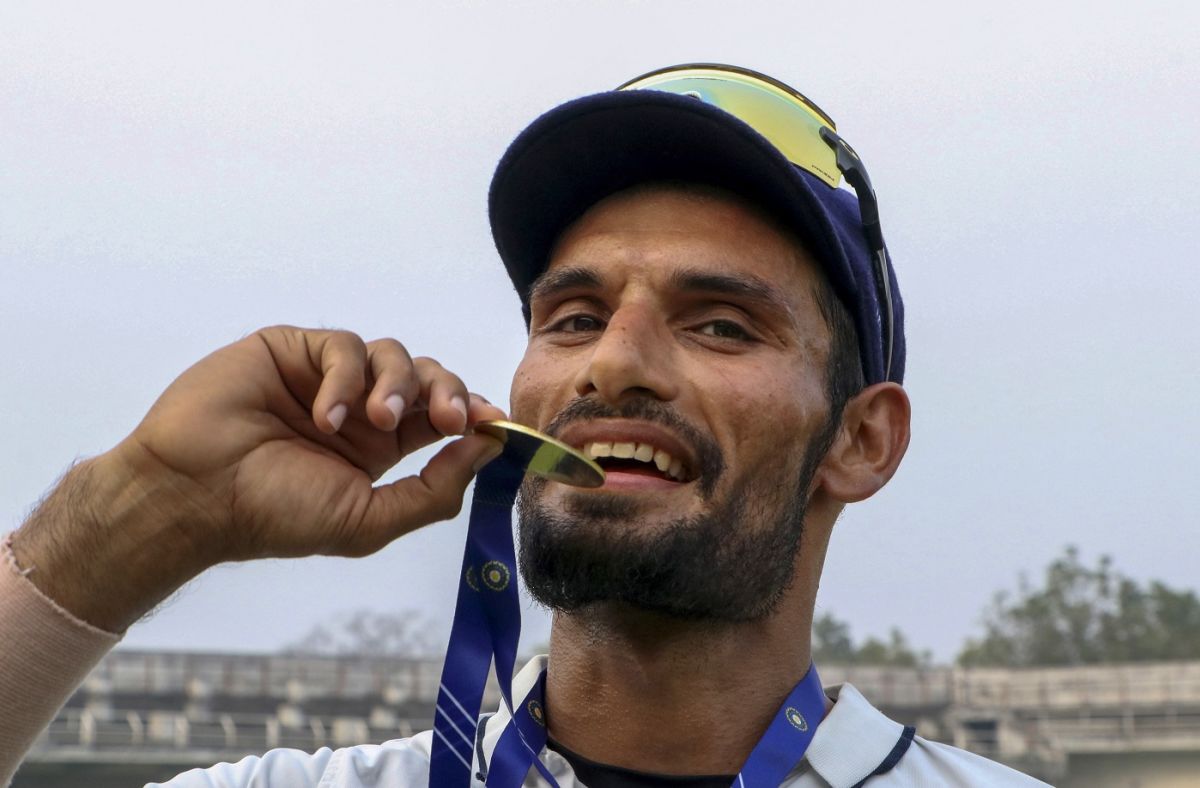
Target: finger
396, 386
445, 395
479, 409
415, 431
433, 495
342, 358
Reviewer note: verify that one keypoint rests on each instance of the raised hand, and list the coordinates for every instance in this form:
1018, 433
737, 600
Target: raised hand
267, 447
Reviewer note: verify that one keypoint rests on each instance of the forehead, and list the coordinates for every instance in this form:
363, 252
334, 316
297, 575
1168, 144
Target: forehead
659, 229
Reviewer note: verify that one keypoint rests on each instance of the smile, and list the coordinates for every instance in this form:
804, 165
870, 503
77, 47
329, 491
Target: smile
635, 453
627, 456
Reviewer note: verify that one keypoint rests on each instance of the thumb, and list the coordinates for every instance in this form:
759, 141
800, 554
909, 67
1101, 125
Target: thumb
433, 495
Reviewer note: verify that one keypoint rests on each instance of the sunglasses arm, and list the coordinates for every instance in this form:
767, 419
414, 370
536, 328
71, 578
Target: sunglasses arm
855, 173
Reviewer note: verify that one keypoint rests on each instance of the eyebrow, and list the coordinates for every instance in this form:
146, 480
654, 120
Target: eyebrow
746, 287
554, 282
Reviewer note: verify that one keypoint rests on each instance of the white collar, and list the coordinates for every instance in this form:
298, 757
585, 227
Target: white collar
850, 743
853, 739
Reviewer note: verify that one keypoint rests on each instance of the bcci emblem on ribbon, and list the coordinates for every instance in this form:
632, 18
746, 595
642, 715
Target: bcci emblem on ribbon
495, 575
469, 576
535, 711
796, 718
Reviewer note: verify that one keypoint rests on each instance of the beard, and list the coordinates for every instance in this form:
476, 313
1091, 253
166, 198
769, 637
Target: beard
731, 563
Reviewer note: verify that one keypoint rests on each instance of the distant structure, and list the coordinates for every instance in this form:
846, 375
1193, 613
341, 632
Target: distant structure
146, 716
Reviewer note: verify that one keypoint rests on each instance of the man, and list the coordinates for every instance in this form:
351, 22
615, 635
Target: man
708, 319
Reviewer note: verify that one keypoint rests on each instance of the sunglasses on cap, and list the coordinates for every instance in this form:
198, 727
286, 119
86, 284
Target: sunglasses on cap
804, 134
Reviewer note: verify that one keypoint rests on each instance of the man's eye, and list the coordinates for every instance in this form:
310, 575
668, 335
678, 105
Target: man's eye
724, 329
579, 324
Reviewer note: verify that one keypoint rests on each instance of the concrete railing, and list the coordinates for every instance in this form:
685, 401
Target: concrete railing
1151, 684
245, 733
266, 675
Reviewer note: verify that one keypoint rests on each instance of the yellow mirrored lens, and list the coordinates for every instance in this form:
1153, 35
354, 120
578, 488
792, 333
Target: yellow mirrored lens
783, 119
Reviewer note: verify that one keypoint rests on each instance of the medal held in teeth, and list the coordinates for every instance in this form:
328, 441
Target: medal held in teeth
541, 455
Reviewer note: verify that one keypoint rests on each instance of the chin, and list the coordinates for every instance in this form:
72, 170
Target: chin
719, 566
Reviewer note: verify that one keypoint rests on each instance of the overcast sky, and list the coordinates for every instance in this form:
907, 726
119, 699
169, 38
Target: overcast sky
172, 178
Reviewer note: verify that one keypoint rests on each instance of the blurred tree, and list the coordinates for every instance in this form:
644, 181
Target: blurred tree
403, 633
832, 645
896, 652
831, 640
1084, 615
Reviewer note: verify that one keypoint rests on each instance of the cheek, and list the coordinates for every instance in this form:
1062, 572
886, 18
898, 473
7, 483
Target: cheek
533, 397
774, 411
519, 394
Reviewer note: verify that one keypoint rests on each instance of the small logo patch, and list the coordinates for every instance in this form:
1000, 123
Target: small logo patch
796, 718
495, 575
469, 576
535, 711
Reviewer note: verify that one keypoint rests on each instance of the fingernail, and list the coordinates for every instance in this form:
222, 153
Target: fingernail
459, 405
395, 403
492, 452
337, 415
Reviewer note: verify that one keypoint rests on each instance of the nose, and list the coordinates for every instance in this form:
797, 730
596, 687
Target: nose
633, 357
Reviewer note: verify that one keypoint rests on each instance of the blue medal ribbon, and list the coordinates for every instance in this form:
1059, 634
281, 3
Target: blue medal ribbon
486, 628
787, 737
487, 625
522, 741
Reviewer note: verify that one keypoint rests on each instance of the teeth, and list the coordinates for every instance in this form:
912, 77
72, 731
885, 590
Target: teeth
642, 452
595, 450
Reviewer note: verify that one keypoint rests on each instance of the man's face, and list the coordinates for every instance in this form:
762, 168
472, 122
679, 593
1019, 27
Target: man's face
681, 325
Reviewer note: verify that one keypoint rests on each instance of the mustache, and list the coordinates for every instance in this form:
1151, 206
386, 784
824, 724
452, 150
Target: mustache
710, 461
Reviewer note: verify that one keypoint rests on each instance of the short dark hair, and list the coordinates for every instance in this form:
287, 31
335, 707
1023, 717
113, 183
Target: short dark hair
843, 369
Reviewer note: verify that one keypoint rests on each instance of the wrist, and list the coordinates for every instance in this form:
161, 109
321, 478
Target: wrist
111, 540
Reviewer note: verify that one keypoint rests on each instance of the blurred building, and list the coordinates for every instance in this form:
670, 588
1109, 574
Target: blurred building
146, 716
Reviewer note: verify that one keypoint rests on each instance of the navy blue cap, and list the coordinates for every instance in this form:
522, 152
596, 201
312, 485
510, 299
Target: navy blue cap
585, 150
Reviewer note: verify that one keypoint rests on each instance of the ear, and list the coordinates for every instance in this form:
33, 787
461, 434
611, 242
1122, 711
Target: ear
869, 446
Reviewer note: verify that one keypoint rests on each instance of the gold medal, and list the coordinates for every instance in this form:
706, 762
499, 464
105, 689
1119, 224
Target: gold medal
542, 455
